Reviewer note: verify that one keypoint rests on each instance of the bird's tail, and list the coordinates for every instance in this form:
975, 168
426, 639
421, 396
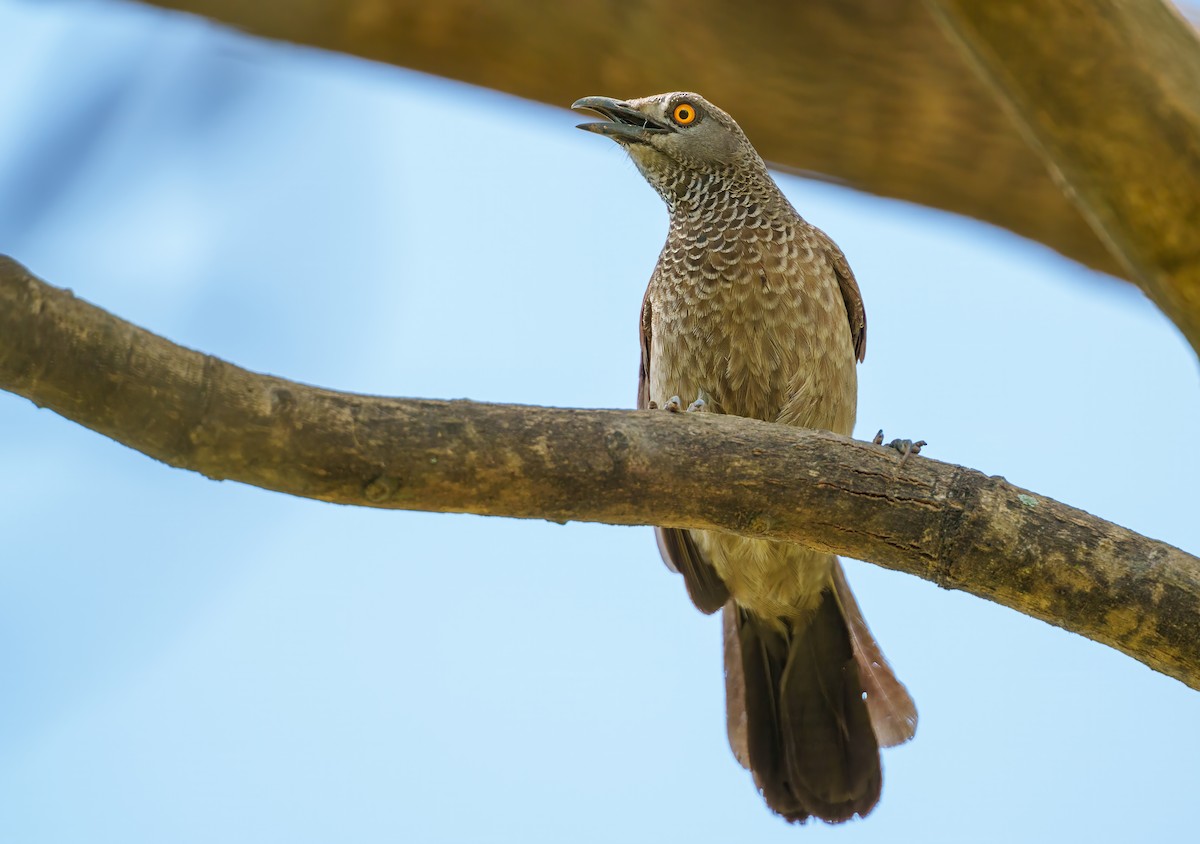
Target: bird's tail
798, 715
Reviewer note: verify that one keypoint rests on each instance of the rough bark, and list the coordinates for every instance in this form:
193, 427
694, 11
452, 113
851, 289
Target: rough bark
1130, 151
948, 524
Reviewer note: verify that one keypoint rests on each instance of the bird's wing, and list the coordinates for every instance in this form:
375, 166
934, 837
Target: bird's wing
643, 398
705, 587
851, 295
678, 549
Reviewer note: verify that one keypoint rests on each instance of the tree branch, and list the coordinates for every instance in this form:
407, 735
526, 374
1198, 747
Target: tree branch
868, 93
1109, 91
948, 524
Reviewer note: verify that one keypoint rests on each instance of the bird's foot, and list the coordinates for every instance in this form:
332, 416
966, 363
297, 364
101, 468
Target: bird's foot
903, 447
701, 403
675, 404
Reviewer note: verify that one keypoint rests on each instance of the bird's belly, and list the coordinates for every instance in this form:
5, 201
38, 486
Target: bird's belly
772, 579
782, 358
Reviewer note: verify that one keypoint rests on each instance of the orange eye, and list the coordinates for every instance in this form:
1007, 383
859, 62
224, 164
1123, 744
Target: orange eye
684, 114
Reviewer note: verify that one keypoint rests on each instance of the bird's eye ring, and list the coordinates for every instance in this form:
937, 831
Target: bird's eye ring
684, 114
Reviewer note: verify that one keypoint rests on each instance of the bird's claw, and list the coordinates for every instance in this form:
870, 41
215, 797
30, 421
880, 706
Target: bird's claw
675, 404
903, 447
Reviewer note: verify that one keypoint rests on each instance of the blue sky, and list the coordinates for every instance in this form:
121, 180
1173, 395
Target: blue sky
184, 660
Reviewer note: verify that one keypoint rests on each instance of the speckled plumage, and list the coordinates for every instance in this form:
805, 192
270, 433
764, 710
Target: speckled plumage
745, 306
757, 311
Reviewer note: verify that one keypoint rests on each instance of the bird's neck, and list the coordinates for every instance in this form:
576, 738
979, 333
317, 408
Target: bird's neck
714, 195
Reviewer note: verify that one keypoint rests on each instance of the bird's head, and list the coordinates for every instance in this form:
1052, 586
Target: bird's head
674, 138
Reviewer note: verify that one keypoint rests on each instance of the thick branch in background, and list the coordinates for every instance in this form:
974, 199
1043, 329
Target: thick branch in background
951, 525
868, 93
1130, 152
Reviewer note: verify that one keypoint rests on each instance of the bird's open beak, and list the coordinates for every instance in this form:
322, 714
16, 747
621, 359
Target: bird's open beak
626, 123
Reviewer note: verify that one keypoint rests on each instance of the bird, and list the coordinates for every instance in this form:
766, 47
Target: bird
755, 312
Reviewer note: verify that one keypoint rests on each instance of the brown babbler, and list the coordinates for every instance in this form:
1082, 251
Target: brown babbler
753, 311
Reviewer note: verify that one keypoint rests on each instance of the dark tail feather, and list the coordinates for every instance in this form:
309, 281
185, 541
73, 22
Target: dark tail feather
797, 715
893, 713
